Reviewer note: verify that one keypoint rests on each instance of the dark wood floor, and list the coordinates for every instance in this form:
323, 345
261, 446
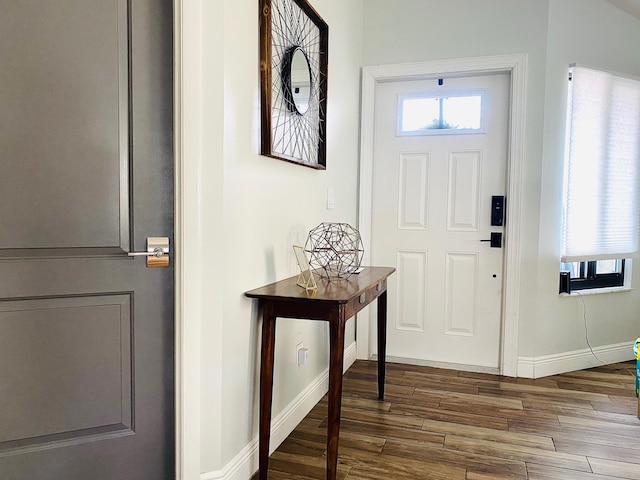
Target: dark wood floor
449, 425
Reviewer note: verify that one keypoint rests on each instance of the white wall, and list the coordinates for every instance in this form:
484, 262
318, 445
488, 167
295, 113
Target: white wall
242, 212
253, 209
553, 33
600, 36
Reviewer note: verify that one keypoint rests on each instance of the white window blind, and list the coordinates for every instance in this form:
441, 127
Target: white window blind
601, 178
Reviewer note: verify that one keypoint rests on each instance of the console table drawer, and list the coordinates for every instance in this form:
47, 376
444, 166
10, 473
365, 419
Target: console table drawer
369, 295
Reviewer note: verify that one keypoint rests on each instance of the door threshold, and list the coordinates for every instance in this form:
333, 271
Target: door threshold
445, 365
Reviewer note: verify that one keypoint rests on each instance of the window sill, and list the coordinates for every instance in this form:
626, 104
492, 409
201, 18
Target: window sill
596, 291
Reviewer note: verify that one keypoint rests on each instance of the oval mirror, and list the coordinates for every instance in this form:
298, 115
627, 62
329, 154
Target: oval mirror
298, 85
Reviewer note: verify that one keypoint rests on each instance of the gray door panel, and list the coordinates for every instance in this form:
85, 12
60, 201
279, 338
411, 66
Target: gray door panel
86, 174
64, 117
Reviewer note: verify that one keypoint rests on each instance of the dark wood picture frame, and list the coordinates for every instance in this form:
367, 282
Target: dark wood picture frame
298, 135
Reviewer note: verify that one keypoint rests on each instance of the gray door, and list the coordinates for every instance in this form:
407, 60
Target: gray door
86, 174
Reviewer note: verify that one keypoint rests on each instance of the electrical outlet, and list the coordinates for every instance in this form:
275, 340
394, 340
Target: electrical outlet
302, 354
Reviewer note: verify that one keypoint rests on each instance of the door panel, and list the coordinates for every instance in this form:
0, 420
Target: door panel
460, 294
413, 191
431, 209
82, 341
463, 199
411, 281
64, 98
86, 174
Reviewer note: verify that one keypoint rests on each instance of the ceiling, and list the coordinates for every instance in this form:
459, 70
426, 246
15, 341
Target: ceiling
632, 7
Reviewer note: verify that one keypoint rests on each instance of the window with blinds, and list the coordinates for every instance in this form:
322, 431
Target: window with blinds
601, 220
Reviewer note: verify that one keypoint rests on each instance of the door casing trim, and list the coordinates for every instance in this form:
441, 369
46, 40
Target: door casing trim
516, 66
187, 76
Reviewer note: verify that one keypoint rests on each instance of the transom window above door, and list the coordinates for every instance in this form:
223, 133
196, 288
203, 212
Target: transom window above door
438, 113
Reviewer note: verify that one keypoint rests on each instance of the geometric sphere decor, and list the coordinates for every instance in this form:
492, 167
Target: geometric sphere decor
335, 250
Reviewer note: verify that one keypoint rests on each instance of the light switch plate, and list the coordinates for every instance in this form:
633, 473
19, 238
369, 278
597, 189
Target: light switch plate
331, 198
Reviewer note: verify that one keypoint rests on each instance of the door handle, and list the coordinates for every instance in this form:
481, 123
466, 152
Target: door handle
157, 252
496, 240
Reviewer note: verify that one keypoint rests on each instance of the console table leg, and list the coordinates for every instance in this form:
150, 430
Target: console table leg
382, 342
266, 389
336, 347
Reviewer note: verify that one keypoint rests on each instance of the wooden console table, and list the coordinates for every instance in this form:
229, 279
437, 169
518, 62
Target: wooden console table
334, 302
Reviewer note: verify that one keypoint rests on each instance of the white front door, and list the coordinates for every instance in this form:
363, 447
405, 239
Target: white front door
432, 191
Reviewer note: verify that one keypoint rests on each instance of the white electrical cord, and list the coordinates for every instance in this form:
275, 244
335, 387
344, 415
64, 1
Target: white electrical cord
586, 328
586, 333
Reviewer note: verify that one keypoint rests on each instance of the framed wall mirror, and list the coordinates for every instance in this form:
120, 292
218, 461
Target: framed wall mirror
294, 43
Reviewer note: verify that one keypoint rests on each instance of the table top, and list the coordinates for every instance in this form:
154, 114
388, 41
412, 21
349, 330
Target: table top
334, 290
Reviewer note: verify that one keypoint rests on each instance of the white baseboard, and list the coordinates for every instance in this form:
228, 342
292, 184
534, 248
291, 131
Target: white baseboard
350, 356
245, 463
538, 367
